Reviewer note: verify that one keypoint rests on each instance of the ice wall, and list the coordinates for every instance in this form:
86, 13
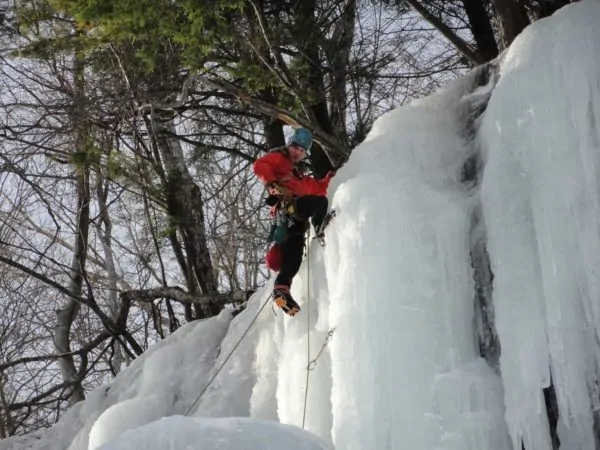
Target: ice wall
541, 206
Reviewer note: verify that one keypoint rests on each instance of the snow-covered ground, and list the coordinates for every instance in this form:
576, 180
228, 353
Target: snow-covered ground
387, 327
177, 432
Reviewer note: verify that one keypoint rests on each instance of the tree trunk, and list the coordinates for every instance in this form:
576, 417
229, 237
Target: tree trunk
7, 425
482, 30
263, 53
339, 56
512, 17
274, 136
308, 47
66, 315
105, 237
544, 8
186, 208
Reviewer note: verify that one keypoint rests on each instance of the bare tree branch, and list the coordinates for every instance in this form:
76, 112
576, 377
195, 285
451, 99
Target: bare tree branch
456, 40
336, 152
85, 349
179, 295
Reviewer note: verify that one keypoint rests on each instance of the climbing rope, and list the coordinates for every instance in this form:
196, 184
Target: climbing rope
312, 364
227, 358
307, 326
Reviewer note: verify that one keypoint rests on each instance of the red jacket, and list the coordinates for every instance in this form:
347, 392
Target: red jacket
277, 167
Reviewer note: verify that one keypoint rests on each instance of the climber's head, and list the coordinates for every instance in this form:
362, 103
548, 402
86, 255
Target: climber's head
300, 143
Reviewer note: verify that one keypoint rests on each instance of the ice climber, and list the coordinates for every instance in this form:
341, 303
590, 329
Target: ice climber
294, 198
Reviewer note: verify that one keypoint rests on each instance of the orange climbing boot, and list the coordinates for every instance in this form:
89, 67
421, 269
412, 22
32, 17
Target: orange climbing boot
283, 299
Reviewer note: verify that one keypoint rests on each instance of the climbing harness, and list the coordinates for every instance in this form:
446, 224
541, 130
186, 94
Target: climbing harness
284, 219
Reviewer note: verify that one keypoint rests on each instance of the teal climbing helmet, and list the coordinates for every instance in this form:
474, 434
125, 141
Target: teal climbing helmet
302, 137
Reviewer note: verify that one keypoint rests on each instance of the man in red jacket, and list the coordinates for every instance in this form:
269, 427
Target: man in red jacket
303, 197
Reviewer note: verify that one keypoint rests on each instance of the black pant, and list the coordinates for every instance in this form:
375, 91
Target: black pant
313, 206
309, 206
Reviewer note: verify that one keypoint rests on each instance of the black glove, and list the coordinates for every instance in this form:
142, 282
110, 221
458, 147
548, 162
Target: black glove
272, 200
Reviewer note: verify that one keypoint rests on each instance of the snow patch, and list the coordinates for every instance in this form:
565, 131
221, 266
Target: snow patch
179, 432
